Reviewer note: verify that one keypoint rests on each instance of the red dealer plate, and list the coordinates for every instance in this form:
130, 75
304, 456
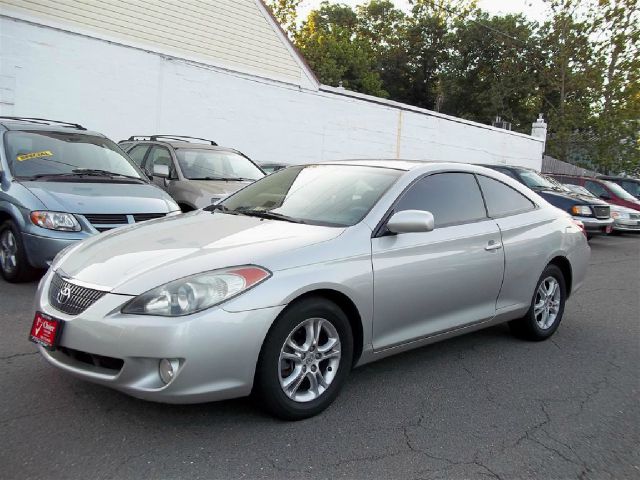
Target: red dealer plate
45, 330
609, 229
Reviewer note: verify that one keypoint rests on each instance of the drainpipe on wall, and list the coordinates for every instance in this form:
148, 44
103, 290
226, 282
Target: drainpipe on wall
399, 134
539, 130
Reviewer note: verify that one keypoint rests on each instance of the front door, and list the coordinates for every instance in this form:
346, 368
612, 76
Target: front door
432, 282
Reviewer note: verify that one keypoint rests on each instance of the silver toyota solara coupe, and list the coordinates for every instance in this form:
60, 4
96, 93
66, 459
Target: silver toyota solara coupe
287, 284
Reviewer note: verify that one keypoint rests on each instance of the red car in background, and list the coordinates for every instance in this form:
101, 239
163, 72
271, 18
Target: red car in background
604, 189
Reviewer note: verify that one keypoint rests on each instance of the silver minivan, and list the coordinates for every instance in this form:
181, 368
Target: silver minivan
196, 172
60, 183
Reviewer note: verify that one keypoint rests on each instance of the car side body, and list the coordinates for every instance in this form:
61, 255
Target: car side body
155, 152
398, 291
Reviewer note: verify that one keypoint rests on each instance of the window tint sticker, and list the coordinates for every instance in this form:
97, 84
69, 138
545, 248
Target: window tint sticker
29, 156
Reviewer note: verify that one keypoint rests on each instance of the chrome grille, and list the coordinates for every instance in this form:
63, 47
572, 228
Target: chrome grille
70, 298
143, 217
101, 219
601, 211
103, 222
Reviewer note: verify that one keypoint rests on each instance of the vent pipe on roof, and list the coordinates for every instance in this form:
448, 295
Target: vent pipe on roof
539, 130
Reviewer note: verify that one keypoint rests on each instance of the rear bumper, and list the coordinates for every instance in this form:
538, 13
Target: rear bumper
596, 225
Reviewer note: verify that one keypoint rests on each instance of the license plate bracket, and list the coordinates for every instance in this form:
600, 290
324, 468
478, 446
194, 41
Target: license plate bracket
46, 330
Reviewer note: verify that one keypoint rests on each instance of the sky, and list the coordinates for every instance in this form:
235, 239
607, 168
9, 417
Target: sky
534, 9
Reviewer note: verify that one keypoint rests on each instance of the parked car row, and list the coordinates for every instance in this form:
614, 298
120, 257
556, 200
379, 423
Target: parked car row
601, 205
62, 183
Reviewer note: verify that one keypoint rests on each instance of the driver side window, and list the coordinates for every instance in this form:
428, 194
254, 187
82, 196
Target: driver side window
452, 198
160, 156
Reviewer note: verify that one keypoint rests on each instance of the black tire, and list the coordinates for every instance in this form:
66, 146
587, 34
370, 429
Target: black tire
23, 271
528, 327
267, 389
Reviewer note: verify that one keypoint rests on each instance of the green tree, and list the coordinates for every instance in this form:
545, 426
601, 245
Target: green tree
329, 41
286, 12
616, 25
569, 77
384, 28
492, 70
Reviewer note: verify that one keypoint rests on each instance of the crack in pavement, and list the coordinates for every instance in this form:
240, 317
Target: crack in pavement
16, 355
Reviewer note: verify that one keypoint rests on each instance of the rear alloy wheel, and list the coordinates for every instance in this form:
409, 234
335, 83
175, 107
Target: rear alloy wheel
305, 359
547, 307
14, 266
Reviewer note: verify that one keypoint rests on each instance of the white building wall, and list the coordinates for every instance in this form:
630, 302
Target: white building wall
122, 91
235, 34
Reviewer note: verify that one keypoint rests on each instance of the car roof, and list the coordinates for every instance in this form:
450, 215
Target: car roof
407, 165
25, 126
178, 145
614, 177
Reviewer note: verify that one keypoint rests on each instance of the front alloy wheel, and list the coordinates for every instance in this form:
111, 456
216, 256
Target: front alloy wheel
305, 359
8, 252
309, 359
14, 266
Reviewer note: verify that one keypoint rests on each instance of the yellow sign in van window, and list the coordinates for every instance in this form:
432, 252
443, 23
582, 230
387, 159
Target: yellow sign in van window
29, 156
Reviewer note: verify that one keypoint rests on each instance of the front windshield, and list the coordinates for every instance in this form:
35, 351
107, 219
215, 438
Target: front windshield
334, 195
619, 191
42, 153
579, 189
557, 184
535, 180
631, 186
206, 164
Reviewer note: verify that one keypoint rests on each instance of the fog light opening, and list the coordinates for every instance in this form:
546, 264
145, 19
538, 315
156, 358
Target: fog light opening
168, 368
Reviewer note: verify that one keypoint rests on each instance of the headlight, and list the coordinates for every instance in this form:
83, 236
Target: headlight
196, 293
581, 210
622, 215
55, 221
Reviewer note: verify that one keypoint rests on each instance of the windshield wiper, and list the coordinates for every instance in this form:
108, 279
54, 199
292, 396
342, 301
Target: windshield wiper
101, 173
43, 175
266, 214
225, 179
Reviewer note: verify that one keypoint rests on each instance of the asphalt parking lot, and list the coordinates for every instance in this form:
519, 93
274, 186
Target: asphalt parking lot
484, 405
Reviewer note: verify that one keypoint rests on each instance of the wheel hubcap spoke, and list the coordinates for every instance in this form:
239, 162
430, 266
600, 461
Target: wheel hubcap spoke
547, 303
309, 359
8, 251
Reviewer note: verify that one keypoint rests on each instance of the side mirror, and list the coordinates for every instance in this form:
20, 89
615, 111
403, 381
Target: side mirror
605, 196
161, 171
411, 221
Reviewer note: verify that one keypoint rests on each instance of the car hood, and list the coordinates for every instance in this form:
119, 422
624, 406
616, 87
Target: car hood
134, 259
583, 199
84, 197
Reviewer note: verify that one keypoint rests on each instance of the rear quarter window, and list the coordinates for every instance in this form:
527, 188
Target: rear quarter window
501, 199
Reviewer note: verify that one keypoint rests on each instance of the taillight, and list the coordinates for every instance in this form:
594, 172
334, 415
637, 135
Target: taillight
580, 225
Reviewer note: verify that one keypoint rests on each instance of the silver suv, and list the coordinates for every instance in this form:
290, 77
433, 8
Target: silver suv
196, 172
60, 183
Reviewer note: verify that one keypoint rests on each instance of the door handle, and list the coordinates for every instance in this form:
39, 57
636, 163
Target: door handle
493, 245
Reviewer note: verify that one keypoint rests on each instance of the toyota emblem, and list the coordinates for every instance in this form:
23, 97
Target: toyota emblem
64, 295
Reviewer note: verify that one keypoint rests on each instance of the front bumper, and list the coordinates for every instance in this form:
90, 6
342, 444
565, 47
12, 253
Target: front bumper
626, 225
217, 350
41, 250
595, 225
